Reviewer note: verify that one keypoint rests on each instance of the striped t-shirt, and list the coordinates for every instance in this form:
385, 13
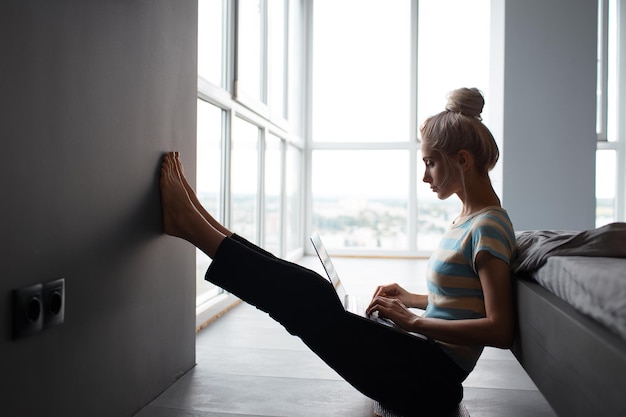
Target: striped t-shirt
454, 289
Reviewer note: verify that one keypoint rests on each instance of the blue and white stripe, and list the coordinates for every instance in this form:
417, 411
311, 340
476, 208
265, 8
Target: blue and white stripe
454, 288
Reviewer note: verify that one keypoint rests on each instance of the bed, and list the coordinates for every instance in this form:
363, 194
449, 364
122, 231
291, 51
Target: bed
570, 290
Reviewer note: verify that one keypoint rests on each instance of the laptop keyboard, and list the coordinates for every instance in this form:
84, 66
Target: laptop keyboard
356, 305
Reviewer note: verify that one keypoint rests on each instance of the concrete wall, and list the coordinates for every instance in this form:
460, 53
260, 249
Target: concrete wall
91, 95
545, 76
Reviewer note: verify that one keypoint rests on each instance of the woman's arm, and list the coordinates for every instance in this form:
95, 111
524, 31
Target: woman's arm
495, 329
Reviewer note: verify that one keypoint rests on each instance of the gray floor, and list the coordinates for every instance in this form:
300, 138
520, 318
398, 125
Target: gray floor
248, 365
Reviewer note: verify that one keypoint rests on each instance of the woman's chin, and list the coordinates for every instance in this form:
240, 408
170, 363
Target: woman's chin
442, 195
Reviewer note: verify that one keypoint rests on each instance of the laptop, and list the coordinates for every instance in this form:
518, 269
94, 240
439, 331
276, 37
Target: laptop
351, 303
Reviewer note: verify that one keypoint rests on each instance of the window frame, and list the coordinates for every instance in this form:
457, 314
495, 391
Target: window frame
603, 143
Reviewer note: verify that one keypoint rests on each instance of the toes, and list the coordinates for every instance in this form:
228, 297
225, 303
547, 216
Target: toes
168, 173
168, 157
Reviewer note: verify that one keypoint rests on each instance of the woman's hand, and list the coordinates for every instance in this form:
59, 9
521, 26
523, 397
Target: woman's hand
393, 302
394, 310
394, 291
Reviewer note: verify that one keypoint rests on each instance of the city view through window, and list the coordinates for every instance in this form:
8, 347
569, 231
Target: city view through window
367, 189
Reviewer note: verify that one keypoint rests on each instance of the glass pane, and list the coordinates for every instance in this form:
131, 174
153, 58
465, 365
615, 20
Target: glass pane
433, 215
210, 40
606, 177
277, 46
244, 179
293, 205
273, 179
208, 182
361, 85
249, 67
460, 55
361, 207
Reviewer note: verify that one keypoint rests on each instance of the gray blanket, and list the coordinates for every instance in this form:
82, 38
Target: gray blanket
535, 247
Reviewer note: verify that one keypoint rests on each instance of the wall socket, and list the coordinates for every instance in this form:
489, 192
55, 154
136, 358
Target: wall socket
53, 295
38, 307
27, 311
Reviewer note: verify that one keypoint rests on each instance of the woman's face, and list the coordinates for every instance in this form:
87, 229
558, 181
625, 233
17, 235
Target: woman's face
438, 173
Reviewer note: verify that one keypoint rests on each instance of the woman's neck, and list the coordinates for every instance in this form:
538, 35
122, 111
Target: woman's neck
479, 194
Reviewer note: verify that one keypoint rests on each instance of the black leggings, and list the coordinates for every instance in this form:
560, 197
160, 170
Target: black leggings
402, 372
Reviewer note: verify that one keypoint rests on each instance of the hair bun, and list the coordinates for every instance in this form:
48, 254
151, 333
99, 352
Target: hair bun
467, 101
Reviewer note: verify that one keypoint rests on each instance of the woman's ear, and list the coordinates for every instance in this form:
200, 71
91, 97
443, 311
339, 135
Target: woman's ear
465, 159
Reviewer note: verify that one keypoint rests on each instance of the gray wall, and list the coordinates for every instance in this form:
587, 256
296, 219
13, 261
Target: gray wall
92, 93
547, 93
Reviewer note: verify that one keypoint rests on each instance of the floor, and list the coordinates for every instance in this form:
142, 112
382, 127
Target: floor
248, 365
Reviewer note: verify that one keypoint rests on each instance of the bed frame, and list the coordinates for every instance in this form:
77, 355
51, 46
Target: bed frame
578, 365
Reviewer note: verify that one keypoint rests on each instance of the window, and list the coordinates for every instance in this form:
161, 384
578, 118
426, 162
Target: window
361, 199
606, 186
211, 41
611, 126
273, 191
246, 138
362, 129
294, 200
277, 58
368, 100
244, 179
251, 63
361, 85
208, 183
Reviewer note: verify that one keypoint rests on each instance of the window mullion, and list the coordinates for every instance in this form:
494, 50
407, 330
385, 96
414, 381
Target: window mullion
603, 68
264, 51
232, 47
228, 47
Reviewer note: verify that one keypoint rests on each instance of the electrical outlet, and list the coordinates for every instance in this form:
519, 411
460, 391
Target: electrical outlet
53, 295
27, 310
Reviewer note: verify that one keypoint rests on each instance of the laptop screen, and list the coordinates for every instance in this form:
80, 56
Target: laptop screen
327, 263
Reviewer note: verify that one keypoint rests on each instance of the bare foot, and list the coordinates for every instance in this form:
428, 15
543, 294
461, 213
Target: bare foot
194, 198
179, 213
190, 191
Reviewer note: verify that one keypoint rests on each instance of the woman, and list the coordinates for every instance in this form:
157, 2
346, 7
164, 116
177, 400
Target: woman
469, 300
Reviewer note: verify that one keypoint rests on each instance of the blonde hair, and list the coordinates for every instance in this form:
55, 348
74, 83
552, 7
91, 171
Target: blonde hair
460, 127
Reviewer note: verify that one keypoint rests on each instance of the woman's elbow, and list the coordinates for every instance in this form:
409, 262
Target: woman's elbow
504, 338
501, 334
